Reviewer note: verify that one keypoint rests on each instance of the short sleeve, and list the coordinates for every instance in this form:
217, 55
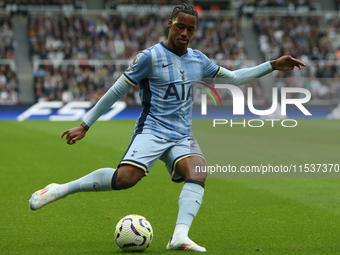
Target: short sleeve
210, 70
139, 68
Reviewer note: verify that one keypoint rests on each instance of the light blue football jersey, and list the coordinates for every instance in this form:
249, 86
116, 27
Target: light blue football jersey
167, 84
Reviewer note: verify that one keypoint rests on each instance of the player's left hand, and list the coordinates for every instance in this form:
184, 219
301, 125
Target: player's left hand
286, 63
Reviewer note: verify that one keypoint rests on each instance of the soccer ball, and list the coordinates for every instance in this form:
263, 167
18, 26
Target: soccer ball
133, 233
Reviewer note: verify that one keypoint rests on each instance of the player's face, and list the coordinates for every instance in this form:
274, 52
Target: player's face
182, 30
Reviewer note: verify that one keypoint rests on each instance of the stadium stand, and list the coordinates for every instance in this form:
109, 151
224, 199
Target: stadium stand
75, 81
313, 39
252, 7
6, 34
8, 83
337, 3
112, 4
308, 38
78, 4
105, 38
8, 80
220, 38
278, 3
305, 37
40, 2
92, 37
78, 55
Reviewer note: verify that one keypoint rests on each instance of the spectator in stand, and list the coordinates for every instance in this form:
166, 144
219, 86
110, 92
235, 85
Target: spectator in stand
13, 96
112, 4
8, 85
7, 43
291, 5
305, 37
8, 82
119, 38
4, 95
219, 38
116, 37
3, 78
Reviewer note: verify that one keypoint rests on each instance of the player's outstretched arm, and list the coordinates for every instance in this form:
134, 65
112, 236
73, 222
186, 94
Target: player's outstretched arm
111, 96
286, 63
75, 134
245, 75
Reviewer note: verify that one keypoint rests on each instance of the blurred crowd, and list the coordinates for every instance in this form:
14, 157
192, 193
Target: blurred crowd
337, 4
39, 2
115, 37
220, 38
275, 3
321, 79
58, 37
8, 85
7, 43
308, 39
8, 79
78, 83
303, 37
112, 4
70, 41
93, 37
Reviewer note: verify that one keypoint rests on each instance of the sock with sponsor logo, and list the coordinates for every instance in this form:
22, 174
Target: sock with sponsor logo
99, 180
189, 203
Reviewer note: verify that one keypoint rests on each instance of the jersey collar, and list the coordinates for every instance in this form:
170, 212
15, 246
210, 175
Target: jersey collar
171, 50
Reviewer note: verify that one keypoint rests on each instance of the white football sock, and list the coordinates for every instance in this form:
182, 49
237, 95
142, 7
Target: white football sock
189, 203
99, 180
181, 231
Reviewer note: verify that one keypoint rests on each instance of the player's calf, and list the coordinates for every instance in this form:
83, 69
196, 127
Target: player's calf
127, 177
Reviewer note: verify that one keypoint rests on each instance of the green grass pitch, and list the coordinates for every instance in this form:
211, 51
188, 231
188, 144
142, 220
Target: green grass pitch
238, 215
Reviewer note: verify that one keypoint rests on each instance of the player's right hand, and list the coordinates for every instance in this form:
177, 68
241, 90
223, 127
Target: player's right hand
74, 134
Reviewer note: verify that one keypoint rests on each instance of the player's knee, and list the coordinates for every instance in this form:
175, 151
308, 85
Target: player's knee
190, 169
128, 176
195, 175
199, 175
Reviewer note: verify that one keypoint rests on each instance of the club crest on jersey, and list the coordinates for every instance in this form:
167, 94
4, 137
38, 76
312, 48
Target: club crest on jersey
192, 143
133, 154
182, 72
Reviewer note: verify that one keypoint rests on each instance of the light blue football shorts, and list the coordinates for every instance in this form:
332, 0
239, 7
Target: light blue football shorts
145, 149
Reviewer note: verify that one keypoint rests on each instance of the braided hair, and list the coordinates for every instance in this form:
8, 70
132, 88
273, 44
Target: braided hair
186, 8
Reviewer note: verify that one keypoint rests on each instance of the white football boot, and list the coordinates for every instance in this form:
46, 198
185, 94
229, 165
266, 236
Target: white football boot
44, 196
185, 245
